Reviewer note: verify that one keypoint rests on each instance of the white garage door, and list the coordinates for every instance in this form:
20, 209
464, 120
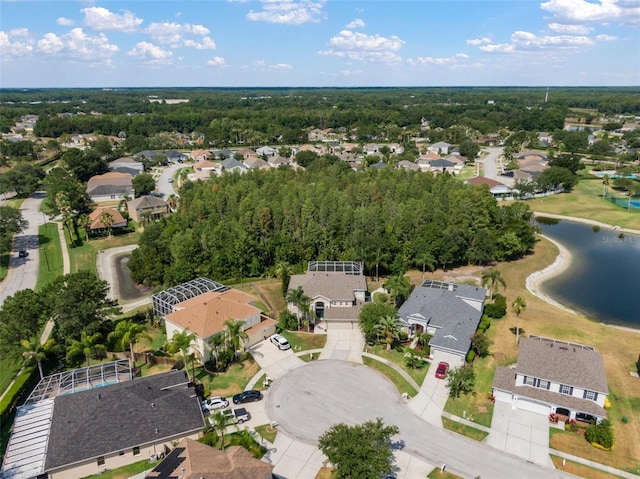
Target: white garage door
342, 325
533, 406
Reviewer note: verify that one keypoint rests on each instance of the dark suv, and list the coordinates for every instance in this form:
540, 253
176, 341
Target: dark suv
247, 396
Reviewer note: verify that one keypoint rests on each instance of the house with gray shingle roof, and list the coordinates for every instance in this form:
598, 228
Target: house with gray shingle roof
441, 148
337, 291
231, 164
450, 312
555, 377
147, 205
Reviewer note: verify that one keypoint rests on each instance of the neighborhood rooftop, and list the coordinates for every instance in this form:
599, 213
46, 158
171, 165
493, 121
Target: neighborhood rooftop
164, 301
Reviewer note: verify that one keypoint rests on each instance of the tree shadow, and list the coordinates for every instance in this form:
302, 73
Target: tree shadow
513, 331
397, 445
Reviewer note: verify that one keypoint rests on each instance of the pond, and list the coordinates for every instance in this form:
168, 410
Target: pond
602, 280
128, 290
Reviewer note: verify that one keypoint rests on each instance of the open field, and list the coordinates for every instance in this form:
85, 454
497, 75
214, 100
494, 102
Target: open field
586, 202
84, 257
618, 347
50, 255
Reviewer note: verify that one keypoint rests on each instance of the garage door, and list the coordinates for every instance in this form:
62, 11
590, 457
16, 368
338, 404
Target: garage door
533, 406
342, 325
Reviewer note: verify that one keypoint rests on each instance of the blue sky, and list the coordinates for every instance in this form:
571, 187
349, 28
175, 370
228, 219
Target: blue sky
340, 43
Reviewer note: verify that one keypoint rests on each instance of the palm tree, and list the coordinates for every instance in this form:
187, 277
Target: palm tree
219, 423
146, 218
172, 201
126, 333
85, 222
605, 183
379, 257
299, 299
35, 351
492, 278
389, 328
181, 341
518, 305
88, 345
107, 221
234, 334
284, 271
399, 287
425, 259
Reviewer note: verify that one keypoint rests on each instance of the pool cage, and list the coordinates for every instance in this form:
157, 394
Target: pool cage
164, 301
346, 267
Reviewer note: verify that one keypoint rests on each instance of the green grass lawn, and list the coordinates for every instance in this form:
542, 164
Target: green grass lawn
585, 201
4, 265
268, 432
125, 472
83, 257
400, 383
8, 370
301, 341
50, 255
233, 381
396, 356
470, 432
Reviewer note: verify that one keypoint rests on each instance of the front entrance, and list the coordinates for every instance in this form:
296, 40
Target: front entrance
319, 309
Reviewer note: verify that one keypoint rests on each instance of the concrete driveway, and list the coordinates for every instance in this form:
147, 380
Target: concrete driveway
430, 401
344, 344
272, 360
522, 433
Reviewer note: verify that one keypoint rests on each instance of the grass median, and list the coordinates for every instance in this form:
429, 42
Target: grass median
50, 266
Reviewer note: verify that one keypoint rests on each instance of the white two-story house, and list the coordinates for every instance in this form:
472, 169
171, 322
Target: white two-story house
555, 377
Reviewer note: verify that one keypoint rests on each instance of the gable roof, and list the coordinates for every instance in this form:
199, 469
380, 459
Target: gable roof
561, 362
205, 314
231, 163
194, 460
96, 221
441, 163
255, 162
483, 180
454, 310
96, 422
110, 183
146, 202
333, 286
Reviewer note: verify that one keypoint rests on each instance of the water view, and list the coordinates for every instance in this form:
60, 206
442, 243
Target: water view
602, 281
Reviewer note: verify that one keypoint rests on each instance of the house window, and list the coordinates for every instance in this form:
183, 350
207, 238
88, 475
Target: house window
529, 381
101, 461
543, 384
591, 395
564, 389
136, 451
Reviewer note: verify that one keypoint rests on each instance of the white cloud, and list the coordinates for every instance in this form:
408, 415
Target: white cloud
440, 61
349, 73
65, 22
264, 66
150, 53
357, 23
526, 41
205, 44
478, 41
15, 48
569, 29
605, 38
361, 47
600, 11
217, 62
288, 12
174, 33
101, 19
78, 46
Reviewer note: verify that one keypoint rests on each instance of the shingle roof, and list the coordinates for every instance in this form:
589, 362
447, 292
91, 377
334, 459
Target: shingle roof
110, 183
205, 314
483, 180
96, 422
145, 202
564, 363
448, 310
194, 460
333, 286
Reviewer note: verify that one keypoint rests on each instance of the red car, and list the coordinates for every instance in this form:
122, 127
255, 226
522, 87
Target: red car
441, 372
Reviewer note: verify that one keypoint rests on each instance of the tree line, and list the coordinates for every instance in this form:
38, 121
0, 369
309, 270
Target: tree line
238, 226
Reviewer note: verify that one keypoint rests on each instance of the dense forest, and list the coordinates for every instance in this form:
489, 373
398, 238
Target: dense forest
259, 116
238, 226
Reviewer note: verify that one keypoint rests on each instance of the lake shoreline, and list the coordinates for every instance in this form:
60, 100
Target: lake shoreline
562, 262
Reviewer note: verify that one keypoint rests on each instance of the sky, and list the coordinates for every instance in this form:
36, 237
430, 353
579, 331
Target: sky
318, 43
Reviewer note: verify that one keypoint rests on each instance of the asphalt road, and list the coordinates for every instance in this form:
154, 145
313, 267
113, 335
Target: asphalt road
310, 399
162, 184
23, 272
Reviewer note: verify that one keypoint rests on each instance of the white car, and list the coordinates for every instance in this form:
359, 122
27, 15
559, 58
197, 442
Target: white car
280, 341
213, 403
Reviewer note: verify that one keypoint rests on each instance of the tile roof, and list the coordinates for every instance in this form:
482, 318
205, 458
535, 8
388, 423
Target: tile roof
194, 460
333, 286
483, 180
205, 314
564, 363
97, 422
96, 222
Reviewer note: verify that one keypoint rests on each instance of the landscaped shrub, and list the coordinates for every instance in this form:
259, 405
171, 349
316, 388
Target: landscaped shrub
485, 323
601, 434
471, 356
498, 308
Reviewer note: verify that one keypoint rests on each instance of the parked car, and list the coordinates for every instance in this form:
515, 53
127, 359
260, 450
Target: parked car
235, 416
280, 341
441, 371
213, 403
23, 254
247, 396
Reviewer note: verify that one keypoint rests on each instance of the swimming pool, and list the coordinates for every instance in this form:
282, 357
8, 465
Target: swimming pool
610, 175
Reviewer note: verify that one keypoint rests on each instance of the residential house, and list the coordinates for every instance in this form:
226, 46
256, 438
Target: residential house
408, 165
127, 164
110, 186
204, 315
317, 135
378, 166
153, 206
371, 149
337, 291
450, 312
266, 151
193, 460
544, 138
150, 155
231, 165
276, 161
497, 189
222, 154
256, 163
396, 148
442, 166
247, 153
555, 377
72, 428
96, 222
424, 160
203, 169
441, 148
200, 155
175, 156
